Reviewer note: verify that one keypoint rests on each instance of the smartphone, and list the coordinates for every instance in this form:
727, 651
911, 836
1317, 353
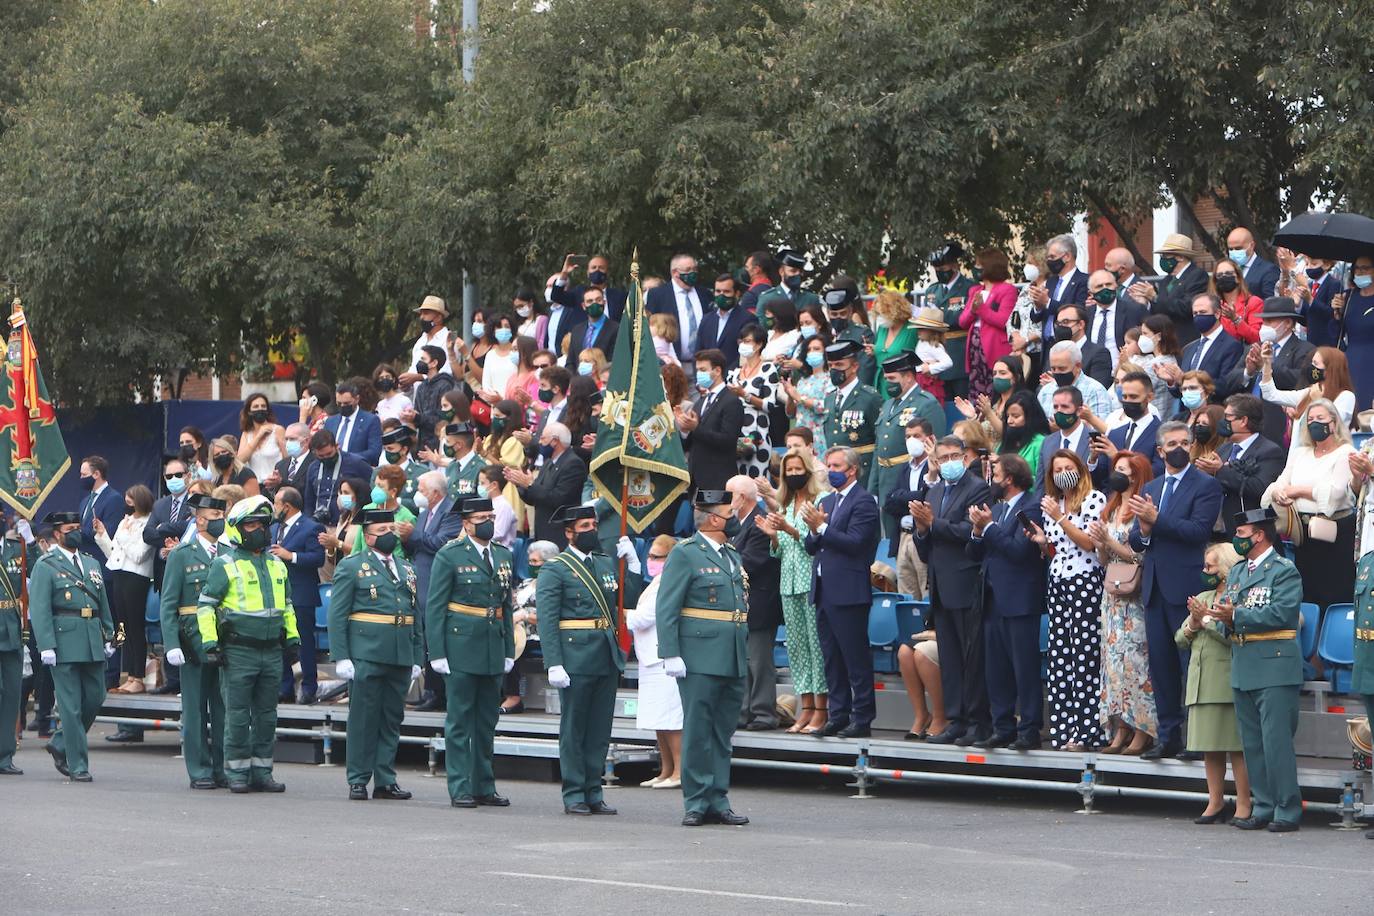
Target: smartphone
1096, 436
578, 259
1025, 521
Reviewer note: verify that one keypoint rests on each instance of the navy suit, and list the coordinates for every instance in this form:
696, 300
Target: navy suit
1075, 290
1172, 573
553, 336
953, 576
896, 504
603, 340
1146, 439
1243, 482
366, 439
572, 298
167, 520
725, 339
321, 487
1013, 601
1261, 276
1221, 357
840, 591
303, 577
1323, 330
435, 527
663, 300
1126, 314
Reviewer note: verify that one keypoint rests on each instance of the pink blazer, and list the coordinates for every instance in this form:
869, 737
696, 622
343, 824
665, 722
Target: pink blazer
994, 312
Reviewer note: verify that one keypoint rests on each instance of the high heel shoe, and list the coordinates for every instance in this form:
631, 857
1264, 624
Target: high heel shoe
1140, 745
1220, 817
802, 720
1118, 745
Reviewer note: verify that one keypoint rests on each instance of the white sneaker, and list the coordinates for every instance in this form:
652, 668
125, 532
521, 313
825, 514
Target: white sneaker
649, 783
669, 783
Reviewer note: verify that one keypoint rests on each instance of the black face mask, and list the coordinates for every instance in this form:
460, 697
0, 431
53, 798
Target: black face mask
484, 531
1063, 379
1176, 458
386, 543
346, 410
1054, 266
1062, 333
1317, 375
839, 325
223, 462
732, 527
546, 395
837, 378
422, 367
1118, 482
259, 416
215, 528
1224, 428
587, 541
254, 540
796, 482
72, 539
426, 326
1226, 283
187, 452
596, 277
1133, 410
944, 276
996, 492
894, 389
128, 509
386, 384
1319, 432
1202, 432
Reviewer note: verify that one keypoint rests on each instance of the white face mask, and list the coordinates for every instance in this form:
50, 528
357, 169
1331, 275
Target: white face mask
916, 448
1268, 334
523, 311
1146, 344
746, 351
421, 501
1031, 273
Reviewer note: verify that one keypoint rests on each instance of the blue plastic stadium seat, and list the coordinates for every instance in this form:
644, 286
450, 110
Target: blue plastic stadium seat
911, 618
1307, 637
322, 618
880, 555
521, 554
1336, 645
780, 648
883, 635
152, 618
1359, 439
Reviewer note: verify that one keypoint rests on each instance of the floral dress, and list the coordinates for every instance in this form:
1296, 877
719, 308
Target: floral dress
1126, 691
755, 451
815, 387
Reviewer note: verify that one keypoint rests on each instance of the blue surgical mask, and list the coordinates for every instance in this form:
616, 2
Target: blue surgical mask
952, 470
378, 495
1363, 280
807, 331
176, 486
293, 448
815, 360
503, 335
837, 479
585, 368
1238, 255
346, 502
205, 473
478, 329
704, 379
1192, 399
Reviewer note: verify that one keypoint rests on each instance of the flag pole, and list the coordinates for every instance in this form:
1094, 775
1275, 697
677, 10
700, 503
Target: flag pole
622, 634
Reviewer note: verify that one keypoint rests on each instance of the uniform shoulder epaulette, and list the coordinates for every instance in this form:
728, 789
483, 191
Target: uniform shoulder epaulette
1284, 561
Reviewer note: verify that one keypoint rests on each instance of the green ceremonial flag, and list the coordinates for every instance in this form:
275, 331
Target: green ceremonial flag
638, 451
28, 425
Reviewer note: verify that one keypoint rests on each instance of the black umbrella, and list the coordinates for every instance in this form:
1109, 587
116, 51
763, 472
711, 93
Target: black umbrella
1338, 236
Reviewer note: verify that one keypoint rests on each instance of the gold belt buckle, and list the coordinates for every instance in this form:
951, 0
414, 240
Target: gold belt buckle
87, 613
738, 617
602, 623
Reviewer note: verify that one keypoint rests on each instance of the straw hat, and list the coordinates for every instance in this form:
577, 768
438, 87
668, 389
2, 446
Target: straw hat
930, 318
433, 304
1176, 243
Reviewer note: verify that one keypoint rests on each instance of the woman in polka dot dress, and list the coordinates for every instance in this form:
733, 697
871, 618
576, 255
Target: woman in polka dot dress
755, 383
1074, 601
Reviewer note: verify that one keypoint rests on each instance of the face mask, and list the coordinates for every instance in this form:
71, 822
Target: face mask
449, 452
839, 325
1317, 375
688, 278
1145, 344
446, 413
1224, 428
796, 482
1063, 379
1319, 432
187, 452
1243, 546
732, 527
915, 448
88, 483
944, 276
587, 541
1133, 410
1062, 333
1001, 385
1201, 432
1118, 482
793, 283
503, 335
594, 311
1031, 273
346, 502
546, 395
254, 540
72, 539
426, 326
585, 368
1104, 296
478, 330
1363, 280
523, 311
1192, 399
1066, 480
1268, 334
724, 303
498, 424
1210, 580
176, 486
215, 528
746, 351
807, 331
1167, 264
385, 543
837, 378
484, 531
546, 451
1238, 255
995, 492
952, 470
204, 474
654, 568
1176, 458
346, 410
704, 380
378, 495
815, 360
223, 462
422, 367
1226, 283
1315, 273
421, 501
1054, 265
894, 389
977, 274
1204, 323
386, 384
1065, 420
128, 509
837, 479
392, 457
261, 416
1117, 391
596, 277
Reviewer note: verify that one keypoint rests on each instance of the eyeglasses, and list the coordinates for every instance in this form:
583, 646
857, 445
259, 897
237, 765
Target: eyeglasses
656, 556
174, 476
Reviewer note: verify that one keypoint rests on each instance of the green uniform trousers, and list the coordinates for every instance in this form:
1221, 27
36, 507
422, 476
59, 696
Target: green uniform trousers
1268, 720
202, 721
584, 734
376, 706
80, 689
251, 680
11, 682
710, 710
474, 701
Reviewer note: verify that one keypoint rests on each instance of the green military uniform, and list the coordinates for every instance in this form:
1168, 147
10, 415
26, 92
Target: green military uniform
1362, 680
576, 597
70, 614
246, 606
950, 300
891, 462
462, 480
1266, 674
372, 624
470, 604
799, 300
202, 703
413, 470
862, 335
12, 647
853, 422
702, 612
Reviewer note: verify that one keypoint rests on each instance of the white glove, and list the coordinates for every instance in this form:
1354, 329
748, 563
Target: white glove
510, 663
176, 658
48, 656
675, 666
415, 671
440, 665
109, 650
344, 668
624, 548
559, 678
25, 530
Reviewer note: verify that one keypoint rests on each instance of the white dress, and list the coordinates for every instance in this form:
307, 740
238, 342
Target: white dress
659, 705
389, 408
264, 459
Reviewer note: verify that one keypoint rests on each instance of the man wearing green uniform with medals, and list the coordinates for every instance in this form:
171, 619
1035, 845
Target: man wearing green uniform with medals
907, 401
473, 645
397, 443
202, 703
792, 268
702, 617
576, 597
460, 440
12, 647
839, 308
852, 408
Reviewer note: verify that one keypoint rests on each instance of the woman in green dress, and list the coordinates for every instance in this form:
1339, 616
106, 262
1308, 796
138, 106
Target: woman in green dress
1211, 711
787, 529
893, 333
387, 485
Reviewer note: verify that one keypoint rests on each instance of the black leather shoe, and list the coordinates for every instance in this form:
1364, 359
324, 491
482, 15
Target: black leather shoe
268, 785
576, 808
430, 704
393, 792
32, 726
1219, 818
1249, 823
1282, 827
125, 738
728, 818
1188, 755
948, 736
81, 777
996, 741
309, 697
970, 738
855, 730
1369, 834
286, 698
493, 801
357, 793
697, 818
240, 788
831, 728
758, 725
163, 690
916, 736
1026, 743
10, 769
221, 782
512, 710
467, 801
1163, 749
601, 808
59, 760
204, 783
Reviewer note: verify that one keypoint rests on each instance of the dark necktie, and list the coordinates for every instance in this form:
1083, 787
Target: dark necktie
1103, 318
486, 558
1169, 483
176, 509
1130, 435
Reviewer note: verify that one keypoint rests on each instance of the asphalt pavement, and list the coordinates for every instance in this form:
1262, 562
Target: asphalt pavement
137, 840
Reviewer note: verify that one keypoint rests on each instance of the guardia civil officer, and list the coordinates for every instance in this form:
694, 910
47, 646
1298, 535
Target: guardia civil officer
702, 617
12, 648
